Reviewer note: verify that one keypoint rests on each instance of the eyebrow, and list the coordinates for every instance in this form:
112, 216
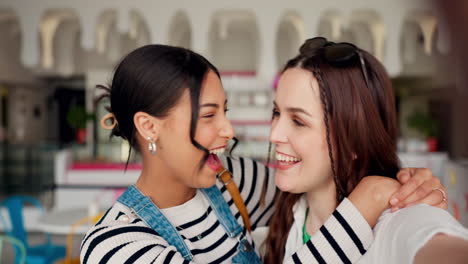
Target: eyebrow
213, 104
294, 109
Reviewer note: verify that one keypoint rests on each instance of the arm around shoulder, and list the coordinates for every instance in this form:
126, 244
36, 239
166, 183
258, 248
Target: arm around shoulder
371, 196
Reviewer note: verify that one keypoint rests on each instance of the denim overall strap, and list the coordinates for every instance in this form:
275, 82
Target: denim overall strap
152, 216
245, 252
222, 211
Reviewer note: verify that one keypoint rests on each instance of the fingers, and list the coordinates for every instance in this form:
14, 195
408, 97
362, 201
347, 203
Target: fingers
404, 175
434, 198
423, 190
406, 190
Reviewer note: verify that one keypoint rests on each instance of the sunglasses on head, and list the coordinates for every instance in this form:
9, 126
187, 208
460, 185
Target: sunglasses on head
336, 54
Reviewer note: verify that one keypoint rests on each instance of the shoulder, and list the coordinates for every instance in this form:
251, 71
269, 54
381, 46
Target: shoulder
418, 216
116, 232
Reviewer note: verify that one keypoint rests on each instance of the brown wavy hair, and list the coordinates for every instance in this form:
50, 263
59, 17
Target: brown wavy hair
360, 120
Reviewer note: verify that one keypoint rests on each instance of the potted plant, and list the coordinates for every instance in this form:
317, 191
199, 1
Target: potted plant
77, 118
427, 126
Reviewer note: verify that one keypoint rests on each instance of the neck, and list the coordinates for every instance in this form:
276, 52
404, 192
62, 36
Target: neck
158, 183
322, 202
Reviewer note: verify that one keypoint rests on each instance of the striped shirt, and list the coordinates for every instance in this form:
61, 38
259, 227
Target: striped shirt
343, 238
120, 236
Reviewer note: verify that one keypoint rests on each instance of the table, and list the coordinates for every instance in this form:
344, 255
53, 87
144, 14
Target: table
60, 222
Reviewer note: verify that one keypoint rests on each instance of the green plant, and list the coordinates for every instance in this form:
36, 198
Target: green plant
424, 123
77, 117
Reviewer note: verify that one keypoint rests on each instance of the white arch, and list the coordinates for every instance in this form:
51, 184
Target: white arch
12, 70
106, 25
331, 25
369, 31
138, 34
9, 30
68, 53
417, 43
180, 31
427, 23
138, 29
289, 36
59, 29
234, 42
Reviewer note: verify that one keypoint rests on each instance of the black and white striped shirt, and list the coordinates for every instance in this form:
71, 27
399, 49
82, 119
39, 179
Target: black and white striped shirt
122, 237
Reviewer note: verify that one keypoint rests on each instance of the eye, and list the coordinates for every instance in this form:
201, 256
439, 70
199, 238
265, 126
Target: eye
275, 113
226, 110
208, 115
297, 123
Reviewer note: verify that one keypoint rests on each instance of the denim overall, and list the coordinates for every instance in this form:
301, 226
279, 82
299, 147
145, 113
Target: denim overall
152, 216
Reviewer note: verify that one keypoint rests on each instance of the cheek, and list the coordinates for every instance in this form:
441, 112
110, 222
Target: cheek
206, 135
310, 144
314, 152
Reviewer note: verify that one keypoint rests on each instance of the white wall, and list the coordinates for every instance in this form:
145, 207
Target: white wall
158, 15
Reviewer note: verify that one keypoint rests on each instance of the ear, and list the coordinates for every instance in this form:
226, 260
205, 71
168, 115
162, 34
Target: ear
147, 125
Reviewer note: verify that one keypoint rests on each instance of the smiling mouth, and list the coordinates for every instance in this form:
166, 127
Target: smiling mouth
284, 161
217, 151
213, 161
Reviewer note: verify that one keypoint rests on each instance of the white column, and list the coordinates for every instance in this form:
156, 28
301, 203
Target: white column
268, 22
88, 22
158, 20
29, 19
311, 20
393, 28
200, 24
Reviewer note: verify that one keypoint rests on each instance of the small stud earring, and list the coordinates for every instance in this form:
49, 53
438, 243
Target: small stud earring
151, 146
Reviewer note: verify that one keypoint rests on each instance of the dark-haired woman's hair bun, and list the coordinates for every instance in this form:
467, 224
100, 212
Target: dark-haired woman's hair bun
115, 131
312, 46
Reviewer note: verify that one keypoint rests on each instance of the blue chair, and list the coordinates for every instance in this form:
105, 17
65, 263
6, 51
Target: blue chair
20, 250
35, 254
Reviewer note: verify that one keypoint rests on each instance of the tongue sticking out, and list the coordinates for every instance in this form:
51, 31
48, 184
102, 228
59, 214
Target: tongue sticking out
213, 162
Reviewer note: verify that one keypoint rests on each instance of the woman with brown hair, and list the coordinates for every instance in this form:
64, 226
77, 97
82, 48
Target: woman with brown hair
334, 123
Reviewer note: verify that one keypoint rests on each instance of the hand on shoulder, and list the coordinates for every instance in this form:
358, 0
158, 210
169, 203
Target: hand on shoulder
371, 196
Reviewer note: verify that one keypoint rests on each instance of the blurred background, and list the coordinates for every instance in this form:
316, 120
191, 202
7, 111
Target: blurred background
54, 52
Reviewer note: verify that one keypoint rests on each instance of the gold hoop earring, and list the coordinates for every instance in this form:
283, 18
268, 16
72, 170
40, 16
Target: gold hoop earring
151, 146
106, 117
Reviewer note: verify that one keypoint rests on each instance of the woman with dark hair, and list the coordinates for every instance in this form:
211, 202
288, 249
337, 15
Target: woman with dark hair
169, 103
334, 123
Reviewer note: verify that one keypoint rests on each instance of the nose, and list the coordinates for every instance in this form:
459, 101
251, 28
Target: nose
227, 131
278, 132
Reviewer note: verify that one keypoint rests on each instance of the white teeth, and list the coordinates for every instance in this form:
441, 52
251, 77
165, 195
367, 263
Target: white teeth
217, 151
281, 157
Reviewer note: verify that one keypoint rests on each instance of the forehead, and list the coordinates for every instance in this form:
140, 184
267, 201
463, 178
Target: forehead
212, 89
298, 88
211, 92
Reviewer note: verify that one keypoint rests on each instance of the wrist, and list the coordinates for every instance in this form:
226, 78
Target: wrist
371, 196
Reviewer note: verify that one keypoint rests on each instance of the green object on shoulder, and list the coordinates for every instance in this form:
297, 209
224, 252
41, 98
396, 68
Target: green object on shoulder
305, 236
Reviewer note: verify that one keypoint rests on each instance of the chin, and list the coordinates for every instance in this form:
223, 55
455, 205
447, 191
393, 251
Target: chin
284, 184
207, 180
290, 184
